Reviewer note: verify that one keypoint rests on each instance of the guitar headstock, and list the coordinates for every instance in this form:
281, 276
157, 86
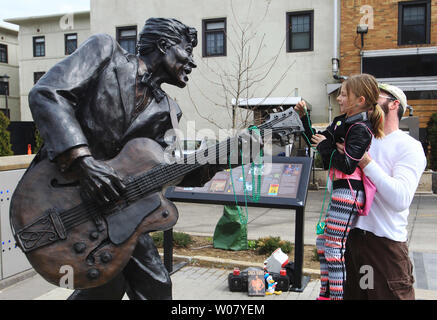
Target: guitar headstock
284, 124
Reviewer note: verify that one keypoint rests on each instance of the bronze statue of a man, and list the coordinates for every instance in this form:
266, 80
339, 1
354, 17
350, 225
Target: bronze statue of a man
89, 105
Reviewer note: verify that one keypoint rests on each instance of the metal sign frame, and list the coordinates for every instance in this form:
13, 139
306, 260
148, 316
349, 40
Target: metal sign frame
299, 282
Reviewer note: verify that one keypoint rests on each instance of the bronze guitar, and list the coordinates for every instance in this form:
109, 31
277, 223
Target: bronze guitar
57, 230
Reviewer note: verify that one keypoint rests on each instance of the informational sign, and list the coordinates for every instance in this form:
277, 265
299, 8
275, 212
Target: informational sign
282, 183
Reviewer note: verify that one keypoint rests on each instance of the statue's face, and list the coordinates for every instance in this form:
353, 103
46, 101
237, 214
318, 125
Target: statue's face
178, 63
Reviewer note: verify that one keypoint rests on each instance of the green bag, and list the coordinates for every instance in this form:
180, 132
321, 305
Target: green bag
230, 232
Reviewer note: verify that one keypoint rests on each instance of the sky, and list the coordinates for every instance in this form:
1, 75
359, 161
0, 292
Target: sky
27, 8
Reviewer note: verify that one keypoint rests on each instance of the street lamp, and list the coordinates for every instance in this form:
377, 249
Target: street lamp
4, 79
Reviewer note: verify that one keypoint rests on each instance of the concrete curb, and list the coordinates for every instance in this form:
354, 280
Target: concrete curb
8, 282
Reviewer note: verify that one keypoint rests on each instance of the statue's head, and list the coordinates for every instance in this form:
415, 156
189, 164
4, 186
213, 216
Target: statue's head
175, 42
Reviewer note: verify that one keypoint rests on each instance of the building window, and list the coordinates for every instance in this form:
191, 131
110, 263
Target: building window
70, 43
414, 22
127, 38
4, 88
37, 76
3, 53
214, 37
300, 31
413, 65
39, 46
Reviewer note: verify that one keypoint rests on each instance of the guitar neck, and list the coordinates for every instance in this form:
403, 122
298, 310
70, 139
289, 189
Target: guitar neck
167, 173
164, 174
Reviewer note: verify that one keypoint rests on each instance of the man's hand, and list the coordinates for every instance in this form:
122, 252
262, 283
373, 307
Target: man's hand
316, 139
365, 161
99, 182
301, 108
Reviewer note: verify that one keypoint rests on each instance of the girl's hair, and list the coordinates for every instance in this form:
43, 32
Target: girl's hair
365, 85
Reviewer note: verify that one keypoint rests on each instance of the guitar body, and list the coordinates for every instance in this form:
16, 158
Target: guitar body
86, 251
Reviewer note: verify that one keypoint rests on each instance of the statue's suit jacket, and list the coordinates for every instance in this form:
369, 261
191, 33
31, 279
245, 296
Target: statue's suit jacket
89, 99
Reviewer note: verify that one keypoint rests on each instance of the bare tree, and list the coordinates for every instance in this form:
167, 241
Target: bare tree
244, 71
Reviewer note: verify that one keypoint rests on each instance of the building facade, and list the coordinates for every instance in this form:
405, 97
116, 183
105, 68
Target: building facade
45, 40
398, 46
9, 73
247, 49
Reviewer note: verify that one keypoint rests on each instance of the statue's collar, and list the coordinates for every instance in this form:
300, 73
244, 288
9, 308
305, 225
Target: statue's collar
146, 79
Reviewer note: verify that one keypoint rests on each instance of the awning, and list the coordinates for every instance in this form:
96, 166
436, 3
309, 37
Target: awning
266, 103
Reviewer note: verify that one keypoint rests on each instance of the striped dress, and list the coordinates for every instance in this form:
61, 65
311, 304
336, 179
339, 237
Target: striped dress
331, 245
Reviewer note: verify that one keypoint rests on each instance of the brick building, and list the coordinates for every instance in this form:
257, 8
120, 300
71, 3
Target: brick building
398, 47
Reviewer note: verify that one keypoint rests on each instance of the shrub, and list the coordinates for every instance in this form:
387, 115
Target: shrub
251, 244
270, 244
158, 238
315, 256
318, 161
432, 138
38, 141
5, 136
180, 239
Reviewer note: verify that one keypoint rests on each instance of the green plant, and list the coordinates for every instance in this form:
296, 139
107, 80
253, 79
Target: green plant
432, 138
270, 244
180, 239
5, 136
318, 161
315, 256
251, 244
38, 141
158, 238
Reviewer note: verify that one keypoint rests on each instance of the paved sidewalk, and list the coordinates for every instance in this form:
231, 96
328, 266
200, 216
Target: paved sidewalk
202, 219
189, 283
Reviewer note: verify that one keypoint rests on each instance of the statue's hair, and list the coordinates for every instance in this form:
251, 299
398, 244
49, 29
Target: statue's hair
171, 30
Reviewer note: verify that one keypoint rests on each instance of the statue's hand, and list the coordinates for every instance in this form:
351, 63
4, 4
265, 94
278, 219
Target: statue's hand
99, 182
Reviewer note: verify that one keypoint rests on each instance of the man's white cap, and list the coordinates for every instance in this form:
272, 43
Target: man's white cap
395, 92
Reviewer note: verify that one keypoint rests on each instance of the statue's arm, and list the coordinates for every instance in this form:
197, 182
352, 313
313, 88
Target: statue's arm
55, 98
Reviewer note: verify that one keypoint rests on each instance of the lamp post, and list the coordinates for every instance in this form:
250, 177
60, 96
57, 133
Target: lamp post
362, 29
5, 80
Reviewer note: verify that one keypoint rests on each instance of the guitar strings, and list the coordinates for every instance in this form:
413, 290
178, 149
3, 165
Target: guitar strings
142, 185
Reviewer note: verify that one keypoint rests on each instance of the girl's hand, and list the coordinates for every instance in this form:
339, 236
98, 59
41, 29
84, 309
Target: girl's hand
301, 108
340, 147
316, 139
